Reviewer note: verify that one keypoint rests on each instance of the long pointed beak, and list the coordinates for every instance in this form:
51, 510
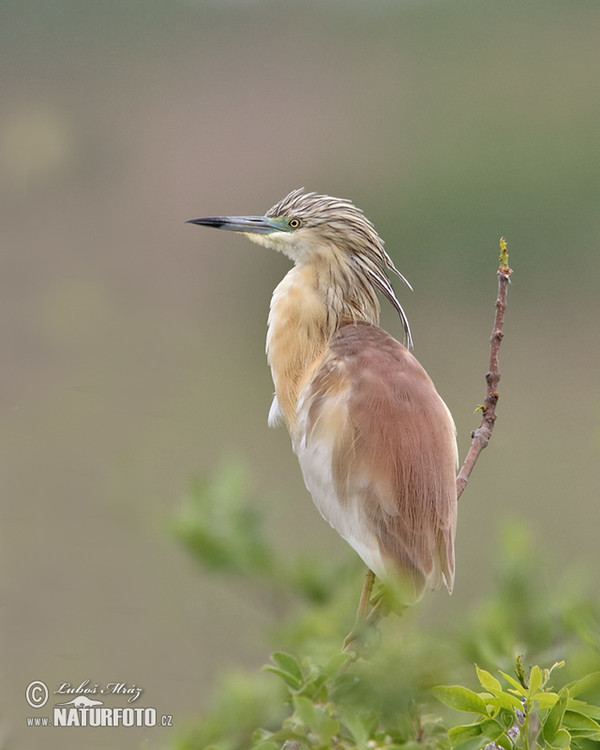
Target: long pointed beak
246, 224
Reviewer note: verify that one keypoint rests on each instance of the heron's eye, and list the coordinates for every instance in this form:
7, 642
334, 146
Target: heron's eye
294, 223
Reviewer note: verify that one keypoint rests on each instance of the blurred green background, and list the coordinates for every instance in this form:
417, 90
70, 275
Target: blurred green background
133, 343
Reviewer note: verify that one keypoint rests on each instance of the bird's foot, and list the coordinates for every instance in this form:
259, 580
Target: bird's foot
355, 640
371, 609
360, 639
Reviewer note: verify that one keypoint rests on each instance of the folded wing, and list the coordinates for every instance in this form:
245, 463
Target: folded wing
378, 455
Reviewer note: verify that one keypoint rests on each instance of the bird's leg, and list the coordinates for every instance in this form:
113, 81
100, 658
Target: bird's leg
365, 596
363, 615
374, 605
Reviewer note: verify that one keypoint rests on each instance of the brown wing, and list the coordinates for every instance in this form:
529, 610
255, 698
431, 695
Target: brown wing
395, 458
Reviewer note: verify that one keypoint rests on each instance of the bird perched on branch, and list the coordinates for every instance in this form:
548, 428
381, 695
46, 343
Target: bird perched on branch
375, 442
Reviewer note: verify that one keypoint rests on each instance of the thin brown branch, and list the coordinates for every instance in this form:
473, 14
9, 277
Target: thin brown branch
481, 436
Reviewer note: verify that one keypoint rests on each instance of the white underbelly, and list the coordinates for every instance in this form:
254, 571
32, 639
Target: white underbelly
344, 515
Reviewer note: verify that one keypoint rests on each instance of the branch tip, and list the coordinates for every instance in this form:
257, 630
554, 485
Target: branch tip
481, 436
503, 258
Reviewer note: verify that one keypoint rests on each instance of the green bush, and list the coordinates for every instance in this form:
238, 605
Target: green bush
405, 689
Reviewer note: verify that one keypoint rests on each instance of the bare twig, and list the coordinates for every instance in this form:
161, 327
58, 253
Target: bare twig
481, 436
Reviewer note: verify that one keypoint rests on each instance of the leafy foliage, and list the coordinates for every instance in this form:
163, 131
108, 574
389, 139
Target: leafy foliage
219, 526
414, 677
526, 714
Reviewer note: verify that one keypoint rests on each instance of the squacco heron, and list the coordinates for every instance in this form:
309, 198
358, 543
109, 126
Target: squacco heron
375, 442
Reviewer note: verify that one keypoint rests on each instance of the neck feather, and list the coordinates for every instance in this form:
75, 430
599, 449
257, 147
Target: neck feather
307, 308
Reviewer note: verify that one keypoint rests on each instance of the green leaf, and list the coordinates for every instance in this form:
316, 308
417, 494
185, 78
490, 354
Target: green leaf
315, 718
474, 743
464, 732
505, 742
562, 740
536, 679
492, 729
294, 684
582, 707
505, 700
589, 682
287, 668
359, 727
545, 701
488, 681
516, 685
328, 727
305, 711
581, 725
554, 718
460, 698
315, 684
288, 663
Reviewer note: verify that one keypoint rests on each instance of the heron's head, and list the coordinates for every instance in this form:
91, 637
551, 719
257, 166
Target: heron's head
319, 229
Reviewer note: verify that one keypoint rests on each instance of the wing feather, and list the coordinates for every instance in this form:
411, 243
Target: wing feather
379, 454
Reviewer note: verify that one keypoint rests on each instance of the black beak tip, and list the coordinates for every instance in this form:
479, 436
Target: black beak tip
207, 222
